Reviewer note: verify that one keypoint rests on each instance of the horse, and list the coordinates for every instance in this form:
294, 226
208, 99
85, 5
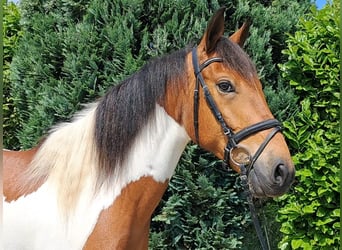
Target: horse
94, 182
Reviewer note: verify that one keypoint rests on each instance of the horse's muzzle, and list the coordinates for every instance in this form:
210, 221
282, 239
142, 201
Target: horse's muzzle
271, 183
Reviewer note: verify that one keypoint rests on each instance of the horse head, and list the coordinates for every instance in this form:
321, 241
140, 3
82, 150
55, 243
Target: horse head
230, 116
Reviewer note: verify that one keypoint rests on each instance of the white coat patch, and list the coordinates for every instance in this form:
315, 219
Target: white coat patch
34, 222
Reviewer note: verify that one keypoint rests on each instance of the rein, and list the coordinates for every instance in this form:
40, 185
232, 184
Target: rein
233, 152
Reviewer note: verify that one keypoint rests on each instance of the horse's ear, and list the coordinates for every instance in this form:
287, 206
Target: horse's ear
214, 31
241, 35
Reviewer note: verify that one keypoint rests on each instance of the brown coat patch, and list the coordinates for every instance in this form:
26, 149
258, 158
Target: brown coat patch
125, 224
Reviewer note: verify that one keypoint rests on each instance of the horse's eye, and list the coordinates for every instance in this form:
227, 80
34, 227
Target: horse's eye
226, 87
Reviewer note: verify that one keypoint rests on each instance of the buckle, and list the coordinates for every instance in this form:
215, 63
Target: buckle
240, 156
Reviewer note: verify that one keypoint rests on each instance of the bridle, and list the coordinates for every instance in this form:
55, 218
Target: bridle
233, 139
233, 152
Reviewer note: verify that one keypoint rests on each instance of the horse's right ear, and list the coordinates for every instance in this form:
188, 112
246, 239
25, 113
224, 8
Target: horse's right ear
214, 31
241, 35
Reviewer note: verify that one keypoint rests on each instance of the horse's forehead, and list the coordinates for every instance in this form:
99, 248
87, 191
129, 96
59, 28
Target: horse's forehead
236, 73
235, 59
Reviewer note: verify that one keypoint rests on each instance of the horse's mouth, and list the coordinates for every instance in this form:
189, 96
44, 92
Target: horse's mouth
263, 189
254, 186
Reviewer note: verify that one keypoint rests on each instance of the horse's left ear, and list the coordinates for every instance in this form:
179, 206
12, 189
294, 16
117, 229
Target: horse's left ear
214, 31
241, 35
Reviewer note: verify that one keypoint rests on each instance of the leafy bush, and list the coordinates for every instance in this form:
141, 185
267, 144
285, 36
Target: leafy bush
80, 49
311, 215
72, 51
11, 34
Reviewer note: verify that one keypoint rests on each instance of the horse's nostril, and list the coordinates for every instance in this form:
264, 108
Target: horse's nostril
280, 174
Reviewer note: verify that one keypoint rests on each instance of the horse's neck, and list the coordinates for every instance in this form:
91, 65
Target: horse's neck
157, 148
153, 158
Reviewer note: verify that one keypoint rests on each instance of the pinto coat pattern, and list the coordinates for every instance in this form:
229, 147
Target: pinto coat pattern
93, 183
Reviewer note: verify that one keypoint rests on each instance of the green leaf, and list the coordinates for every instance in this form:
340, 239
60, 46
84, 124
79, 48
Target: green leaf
299, 243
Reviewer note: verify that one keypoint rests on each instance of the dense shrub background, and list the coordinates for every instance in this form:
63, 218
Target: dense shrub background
11, 34
72, 51
204, 207
311, 214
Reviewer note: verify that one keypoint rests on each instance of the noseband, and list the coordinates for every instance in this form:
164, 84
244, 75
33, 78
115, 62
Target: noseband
232, 151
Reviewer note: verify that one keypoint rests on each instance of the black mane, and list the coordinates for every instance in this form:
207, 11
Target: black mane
126, 108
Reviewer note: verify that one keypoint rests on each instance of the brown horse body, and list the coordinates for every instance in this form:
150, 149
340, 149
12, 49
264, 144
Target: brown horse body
62, 195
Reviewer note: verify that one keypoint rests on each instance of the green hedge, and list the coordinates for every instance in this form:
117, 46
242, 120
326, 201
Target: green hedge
72, 51
311, 215
11, 35
79, 49
203, 208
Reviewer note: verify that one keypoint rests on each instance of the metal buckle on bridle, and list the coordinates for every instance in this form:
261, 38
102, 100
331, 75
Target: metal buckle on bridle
239, 156
234, 153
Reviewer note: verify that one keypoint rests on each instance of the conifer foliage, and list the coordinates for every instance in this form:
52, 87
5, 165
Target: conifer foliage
11, 34
72, 51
